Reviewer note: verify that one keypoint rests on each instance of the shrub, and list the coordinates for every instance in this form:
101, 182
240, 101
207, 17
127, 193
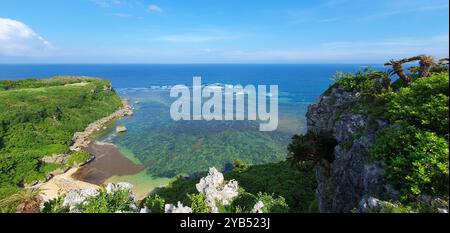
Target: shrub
243, 203
297, 186
240, 166
117, 201
199, 204
416, 161
56, 206
78, 157
423, 104
155, 203
357, 82
273, 204
312, 147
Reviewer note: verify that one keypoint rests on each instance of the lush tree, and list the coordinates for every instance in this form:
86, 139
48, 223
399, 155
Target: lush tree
416, 161
423, 104
155, 204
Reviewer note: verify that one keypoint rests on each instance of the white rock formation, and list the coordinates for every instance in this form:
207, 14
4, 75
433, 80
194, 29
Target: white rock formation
76, 197
258, 208
119, 186
215, 190
179, 209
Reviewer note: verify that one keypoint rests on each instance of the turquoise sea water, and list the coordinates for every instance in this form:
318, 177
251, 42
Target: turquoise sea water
186, 147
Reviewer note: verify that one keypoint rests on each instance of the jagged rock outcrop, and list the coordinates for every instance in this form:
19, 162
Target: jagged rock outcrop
178, 209
352, 174
76, 197
215, 189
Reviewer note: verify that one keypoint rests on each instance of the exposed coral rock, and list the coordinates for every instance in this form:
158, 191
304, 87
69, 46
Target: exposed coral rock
215, 190
110, 188
145, 210
374, 205
179, 209
258, 208
76, 197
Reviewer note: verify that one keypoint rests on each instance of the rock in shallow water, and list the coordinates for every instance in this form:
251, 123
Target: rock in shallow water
121, 129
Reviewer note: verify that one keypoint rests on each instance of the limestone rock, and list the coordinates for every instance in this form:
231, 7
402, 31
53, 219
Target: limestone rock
258, 208
179, 209
76, 197
353, 174
110, 188
215, 189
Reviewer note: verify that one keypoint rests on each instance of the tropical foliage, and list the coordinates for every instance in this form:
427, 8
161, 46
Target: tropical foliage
39, 117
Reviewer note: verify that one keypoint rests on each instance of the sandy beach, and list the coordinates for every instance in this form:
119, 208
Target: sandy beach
62, 184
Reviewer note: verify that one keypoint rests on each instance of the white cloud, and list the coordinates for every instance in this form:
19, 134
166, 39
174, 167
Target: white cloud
155, 8
17, 39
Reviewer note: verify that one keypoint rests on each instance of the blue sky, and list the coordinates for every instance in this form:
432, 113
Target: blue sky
227, 31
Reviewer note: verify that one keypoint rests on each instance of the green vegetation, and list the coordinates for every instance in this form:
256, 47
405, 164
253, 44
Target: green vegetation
118, 201
357, 82
114, 201
312, 147
78, 157
24, 201
155, 204
273, 204
55, 206
296, 187
423, 104
39, 117
245, 203
415, 148
199, 204
416, 161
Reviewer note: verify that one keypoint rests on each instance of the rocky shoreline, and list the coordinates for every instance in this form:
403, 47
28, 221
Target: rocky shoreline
83, 139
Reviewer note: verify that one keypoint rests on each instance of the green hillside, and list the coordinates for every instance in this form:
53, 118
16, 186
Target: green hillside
39, 117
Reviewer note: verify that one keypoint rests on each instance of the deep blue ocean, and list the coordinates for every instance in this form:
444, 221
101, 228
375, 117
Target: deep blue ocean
188, 147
